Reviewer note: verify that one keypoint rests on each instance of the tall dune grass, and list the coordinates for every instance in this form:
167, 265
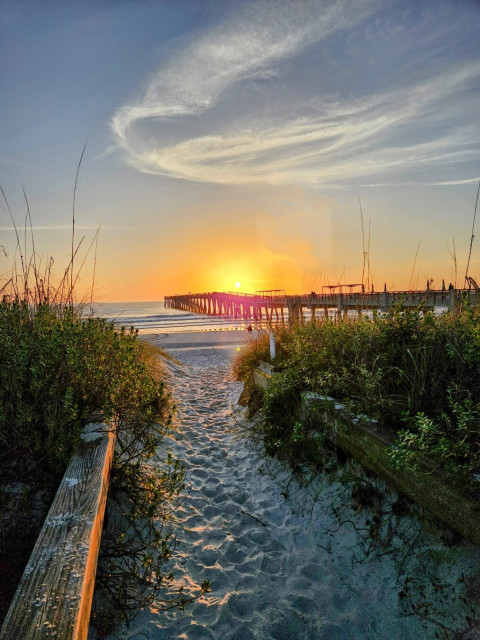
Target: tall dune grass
59, 368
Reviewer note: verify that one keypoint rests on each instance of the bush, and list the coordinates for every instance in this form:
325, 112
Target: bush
57, 370
416, 373
449, 441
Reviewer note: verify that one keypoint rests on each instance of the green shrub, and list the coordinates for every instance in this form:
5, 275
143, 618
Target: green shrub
416, 373
57, 370
449, 442
281, 411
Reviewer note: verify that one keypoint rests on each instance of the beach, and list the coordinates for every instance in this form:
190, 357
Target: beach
286, 559
200, 339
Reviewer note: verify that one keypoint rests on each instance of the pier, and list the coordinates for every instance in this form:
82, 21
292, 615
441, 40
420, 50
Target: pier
246, 306
277, 306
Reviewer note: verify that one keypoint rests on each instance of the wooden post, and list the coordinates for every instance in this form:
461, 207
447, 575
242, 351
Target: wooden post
272, 346
339, 305
293, 313
451, 297
54, 597
383, 303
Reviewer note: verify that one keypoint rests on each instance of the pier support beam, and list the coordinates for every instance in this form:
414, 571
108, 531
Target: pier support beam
294, 311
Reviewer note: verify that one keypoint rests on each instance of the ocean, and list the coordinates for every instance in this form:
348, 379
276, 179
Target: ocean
154, 317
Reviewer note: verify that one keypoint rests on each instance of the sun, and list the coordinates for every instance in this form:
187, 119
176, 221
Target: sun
238, 284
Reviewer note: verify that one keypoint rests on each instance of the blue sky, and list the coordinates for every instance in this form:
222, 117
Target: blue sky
232, 141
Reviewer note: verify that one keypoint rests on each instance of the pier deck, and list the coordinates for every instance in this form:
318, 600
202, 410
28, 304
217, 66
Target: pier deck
280, 307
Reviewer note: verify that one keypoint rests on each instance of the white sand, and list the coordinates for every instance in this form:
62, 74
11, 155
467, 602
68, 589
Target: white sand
281, 568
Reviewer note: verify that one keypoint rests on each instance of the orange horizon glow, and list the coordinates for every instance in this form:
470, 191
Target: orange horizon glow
259, 252
281, 273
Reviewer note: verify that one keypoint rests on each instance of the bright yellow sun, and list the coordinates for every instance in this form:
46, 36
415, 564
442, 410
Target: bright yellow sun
238, 284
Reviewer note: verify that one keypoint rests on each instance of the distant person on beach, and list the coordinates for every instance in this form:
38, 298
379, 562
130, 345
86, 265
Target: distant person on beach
249, 328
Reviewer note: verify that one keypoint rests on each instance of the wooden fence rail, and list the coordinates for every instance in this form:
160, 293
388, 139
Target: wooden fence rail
54, 597
367, 442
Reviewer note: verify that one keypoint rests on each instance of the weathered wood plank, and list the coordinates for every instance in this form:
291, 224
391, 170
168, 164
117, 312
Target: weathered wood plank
368, 444
54, 597
428, 489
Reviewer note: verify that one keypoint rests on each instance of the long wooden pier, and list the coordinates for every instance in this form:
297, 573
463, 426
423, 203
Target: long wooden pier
272, 308
246, 306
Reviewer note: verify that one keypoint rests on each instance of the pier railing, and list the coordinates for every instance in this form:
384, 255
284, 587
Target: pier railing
54, 597
257, 307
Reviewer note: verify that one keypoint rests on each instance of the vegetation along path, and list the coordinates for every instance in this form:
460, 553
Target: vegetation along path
288, 561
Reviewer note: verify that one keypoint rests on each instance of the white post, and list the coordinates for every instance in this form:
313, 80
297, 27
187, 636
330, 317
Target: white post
272, 346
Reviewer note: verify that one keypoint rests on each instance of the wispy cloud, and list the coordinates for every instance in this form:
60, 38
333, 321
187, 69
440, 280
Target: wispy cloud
454, 182
332, 141
246, 46
411, 183
60, 227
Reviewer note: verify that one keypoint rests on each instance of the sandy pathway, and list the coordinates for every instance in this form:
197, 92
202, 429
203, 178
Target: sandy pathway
280, 568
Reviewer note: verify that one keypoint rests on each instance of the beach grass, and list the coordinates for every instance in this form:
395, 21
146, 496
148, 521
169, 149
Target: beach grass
61, 367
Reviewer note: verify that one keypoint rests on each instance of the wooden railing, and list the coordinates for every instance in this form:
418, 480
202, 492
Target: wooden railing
254, 306
368, 443
54, 597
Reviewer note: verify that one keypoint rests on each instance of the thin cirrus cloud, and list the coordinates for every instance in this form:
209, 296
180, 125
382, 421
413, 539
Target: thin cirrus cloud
341, 144
330, 141
61, 227
449, 183
244, 47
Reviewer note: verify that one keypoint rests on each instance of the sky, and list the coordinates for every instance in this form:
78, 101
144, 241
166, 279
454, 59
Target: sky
242, 142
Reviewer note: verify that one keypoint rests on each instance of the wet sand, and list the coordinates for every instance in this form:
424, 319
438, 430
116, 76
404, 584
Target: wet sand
200, 339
